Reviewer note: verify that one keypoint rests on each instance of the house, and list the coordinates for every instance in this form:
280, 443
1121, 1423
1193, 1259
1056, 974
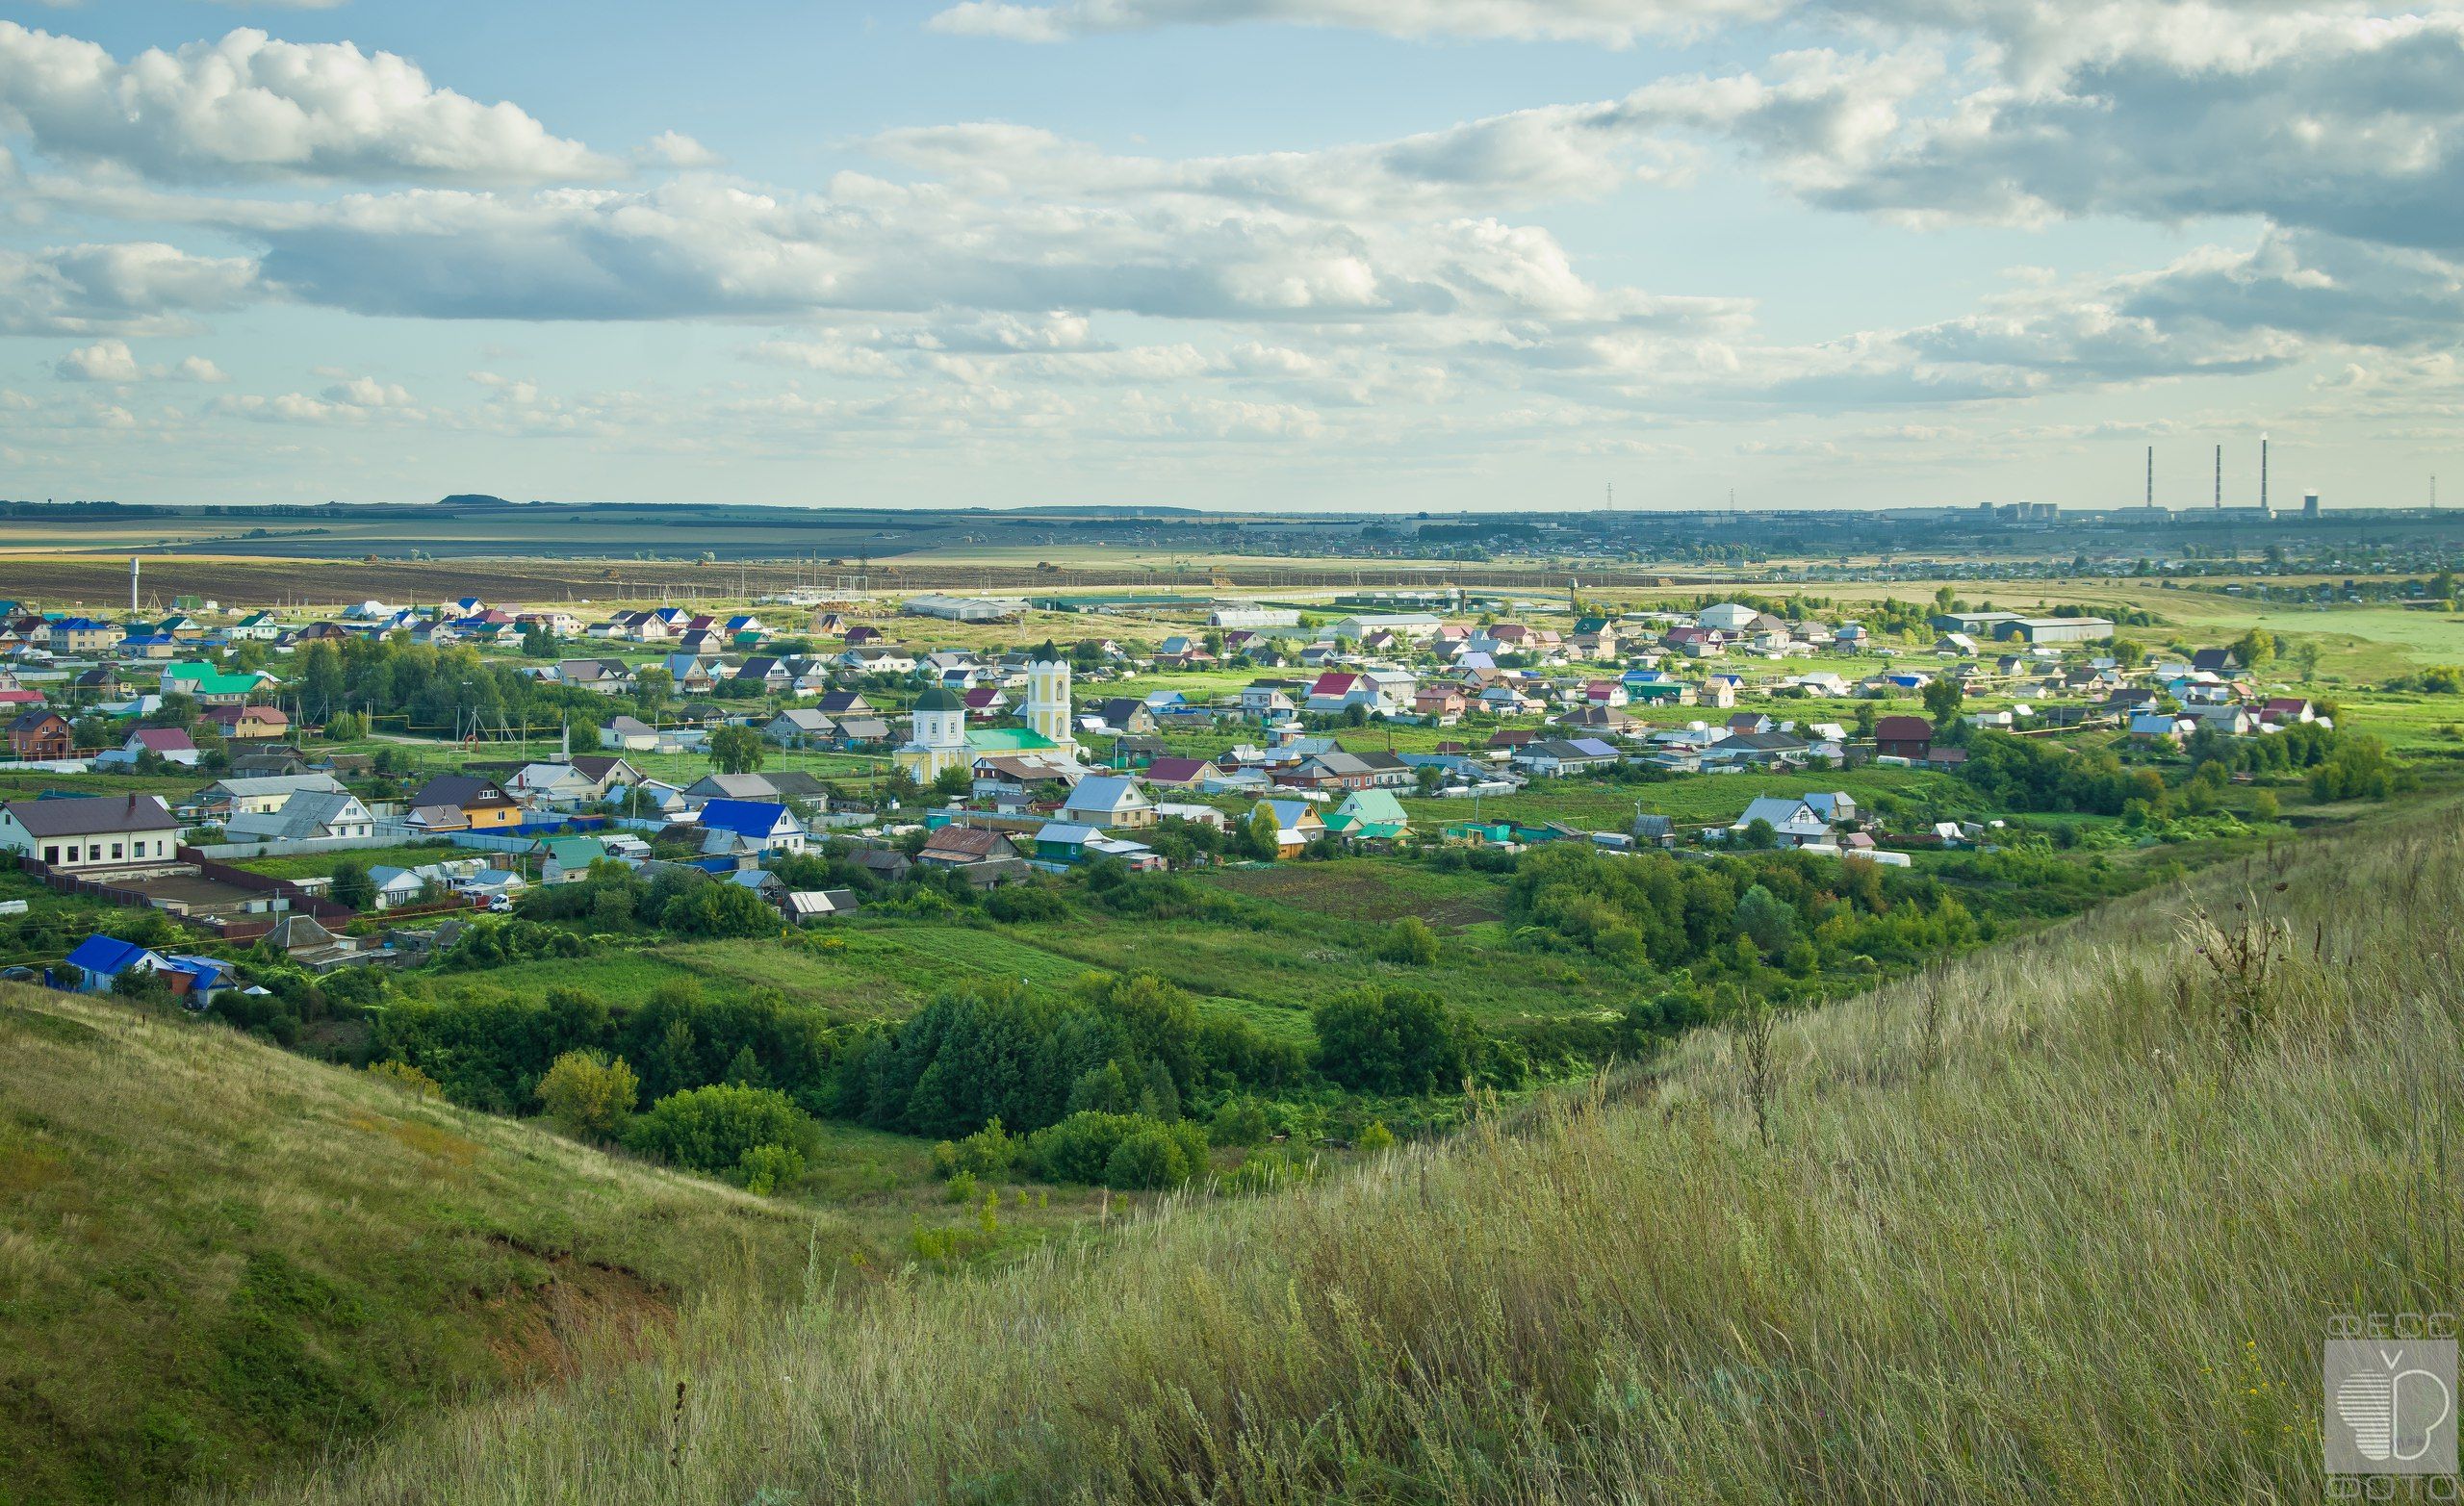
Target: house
240, 794
241, 722
41, 734
1909, 737
308, 815
484, 803
98, 963
1793, 822
843, 703
805, 906
396, 885
606, 774
887, 863
563, 860
89, 831
1372, 815
1173, 772
629, 734
601, 677
2285, 710
1337, 691
209, 686
1109, 801
1296, 824
1553, 757
170, 743
958, 846
765, 826
2160, 726
1125, 716
1743, 749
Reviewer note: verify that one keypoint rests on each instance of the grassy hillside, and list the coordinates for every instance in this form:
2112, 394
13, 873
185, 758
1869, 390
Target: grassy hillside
2066, 1223
216, 1256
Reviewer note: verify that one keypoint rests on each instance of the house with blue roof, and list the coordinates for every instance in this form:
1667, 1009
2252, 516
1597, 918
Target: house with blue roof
765, 826
100, 961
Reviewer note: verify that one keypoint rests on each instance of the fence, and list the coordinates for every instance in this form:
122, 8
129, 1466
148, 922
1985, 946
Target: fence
302, 900
70, 883
294, 847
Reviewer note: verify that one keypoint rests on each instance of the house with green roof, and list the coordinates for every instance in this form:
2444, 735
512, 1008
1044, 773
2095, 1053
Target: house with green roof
565, 858
1372, 814
208, 686
1008, 739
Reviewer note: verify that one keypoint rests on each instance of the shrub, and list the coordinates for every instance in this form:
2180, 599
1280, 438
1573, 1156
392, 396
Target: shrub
1410, 942
1086, 1148
1376, 1138
709, 1128
406, 1077
1151, 1159
765, 1168
1239, 1121
588, 1094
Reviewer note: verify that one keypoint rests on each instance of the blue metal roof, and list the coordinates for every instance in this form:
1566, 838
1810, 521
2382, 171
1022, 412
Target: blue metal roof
106, 955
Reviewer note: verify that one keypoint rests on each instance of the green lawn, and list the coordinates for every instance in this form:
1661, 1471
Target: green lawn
318, 865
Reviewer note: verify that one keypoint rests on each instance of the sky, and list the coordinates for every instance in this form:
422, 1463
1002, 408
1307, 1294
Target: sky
1503, 255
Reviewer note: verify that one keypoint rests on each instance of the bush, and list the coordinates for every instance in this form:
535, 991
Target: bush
588, 1094
406, 1077
1086, 1148
1152, 1159
766, 1168
711, 1129
720, 910
1410, 942
990, 1151
1239, 1121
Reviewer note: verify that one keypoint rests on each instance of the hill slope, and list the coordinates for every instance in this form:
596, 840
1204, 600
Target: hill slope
2068, 1227
216, 1256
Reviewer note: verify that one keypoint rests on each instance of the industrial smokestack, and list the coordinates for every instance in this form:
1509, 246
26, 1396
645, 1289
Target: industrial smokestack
132, 585
2263, 473
2152, 475
2220, 478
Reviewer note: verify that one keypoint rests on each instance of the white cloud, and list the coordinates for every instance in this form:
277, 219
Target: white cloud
251, 108
675, 149
112, 361
104, 361
1616, 23
134, 288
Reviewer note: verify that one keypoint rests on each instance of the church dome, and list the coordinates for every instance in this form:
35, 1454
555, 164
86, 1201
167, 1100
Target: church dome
939, 698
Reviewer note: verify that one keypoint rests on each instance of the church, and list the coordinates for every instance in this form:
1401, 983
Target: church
939, 738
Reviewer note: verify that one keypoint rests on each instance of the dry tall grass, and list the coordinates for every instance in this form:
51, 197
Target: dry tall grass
2066, 1223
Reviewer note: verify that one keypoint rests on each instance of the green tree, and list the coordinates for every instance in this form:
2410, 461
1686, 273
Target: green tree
1765, 919
652, 686
1400, 1041
589, 1094
1263, 835
353, 886
737, 750
1943, 697
712, 1128
720, 910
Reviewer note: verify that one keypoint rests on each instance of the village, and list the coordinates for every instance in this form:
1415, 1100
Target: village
217, 766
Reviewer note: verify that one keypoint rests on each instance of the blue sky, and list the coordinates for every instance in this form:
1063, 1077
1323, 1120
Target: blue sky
1491, 254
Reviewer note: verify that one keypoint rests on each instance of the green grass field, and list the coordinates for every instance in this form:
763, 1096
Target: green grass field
2066, 1223
216, 1256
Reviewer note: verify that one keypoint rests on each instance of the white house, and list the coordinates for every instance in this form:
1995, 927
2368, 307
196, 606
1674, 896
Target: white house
92, 832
